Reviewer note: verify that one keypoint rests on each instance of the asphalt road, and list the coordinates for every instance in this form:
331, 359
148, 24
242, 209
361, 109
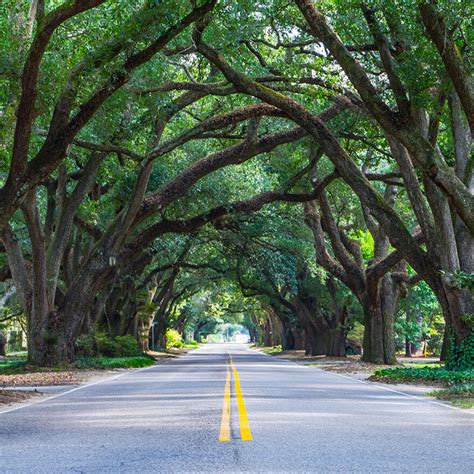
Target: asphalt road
169, 418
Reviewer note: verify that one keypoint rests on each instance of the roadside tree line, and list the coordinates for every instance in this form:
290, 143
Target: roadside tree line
317, 160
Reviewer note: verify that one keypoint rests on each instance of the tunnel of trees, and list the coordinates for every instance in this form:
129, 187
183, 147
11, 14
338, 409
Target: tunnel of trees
303, 168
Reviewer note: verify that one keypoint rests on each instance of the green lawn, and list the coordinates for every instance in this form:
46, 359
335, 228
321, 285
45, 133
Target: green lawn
190, 345
12, 364
16, 364
272, 350
132, 362
433, 365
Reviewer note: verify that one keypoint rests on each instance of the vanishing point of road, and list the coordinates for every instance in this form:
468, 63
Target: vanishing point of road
227, 408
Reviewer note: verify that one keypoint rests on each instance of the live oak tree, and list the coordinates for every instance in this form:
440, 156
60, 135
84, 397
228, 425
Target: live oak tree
132, 132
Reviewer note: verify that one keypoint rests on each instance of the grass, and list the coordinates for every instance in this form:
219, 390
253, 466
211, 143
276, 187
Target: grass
424, 374
132, 362
190, 345
460, 395
272, 350
17, 365
12, 364
433, 365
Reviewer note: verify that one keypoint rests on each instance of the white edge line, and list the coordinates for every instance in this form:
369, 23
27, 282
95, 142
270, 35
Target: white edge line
371, 384
75, 389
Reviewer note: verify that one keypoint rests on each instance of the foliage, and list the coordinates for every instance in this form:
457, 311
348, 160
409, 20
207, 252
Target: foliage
356, 334
125, 346
173, 339
101, 344
419, 319
244, 267
461, 357
462, 279
425, 374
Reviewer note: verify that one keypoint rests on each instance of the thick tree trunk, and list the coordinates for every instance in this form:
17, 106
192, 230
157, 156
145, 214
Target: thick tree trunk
144, 322
56, 346
299, 334
336, 343
287, 339
408, 348
445, 347
379, 304
390, 290
315, 343
3, 343
379, 343
268, 332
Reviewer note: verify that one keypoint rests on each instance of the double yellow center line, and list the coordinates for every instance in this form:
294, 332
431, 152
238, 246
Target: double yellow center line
225, 434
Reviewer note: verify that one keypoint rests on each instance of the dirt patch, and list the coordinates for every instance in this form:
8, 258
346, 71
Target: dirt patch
349, 364
7, 397
170, 353
38, 379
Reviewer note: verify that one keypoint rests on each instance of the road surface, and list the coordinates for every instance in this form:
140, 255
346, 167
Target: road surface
190, 415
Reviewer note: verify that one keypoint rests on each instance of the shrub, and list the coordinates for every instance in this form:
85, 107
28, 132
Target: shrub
126, 346
173, 339
101, 344
105, 345
85, 345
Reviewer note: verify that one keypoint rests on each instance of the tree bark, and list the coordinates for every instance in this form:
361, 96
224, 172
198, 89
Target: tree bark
3, 343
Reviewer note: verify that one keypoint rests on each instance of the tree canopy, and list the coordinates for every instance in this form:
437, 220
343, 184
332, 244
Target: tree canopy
302, 168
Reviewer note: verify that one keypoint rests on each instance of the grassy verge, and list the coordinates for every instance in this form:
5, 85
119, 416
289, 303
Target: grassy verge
190, 345
133, 362
423, 375
17, 365
418, 365
272, 350
12, 364
460, 395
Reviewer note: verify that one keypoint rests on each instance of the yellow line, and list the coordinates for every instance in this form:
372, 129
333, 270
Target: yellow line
245, 433
224, 436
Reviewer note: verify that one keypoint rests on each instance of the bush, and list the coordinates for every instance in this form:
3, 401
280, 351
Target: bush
85, 345
126, 346
430, 374
101, 344
173, 339
105, 344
